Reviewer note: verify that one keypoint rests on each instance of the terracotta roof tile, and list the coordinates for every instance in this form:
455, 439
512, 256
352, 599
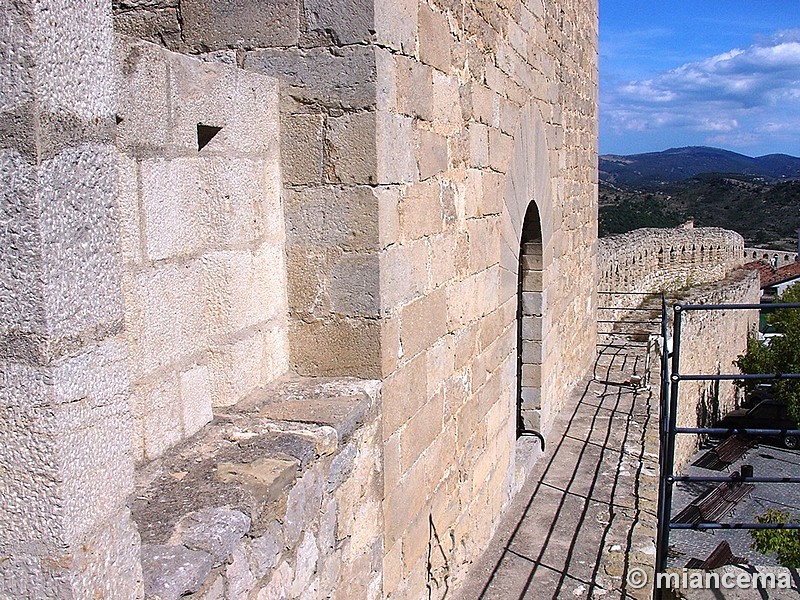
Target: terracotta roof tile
772, 277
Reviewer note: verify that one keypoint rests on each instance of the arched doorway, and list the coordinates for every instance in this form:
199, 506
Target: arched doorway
530, 309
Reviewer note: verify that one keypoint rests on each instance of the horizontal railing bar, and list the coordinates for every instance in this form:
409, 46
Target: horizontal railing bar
734, 377
654, 294
629, 322
776, 306
734, 525
722, 479
751, 431
639, 308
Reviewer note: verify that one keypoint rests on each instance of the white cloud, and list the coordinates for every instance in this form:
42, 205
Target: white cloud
735, 97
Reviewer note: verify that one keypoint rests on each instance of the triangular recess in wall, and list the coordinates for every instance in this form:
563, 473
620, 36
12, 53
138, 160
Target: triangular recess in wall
205, 133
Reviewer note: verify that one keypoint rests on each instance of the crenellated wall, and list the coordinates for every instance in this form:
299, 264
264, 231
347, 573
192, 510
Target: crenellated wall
699, 266
656, 260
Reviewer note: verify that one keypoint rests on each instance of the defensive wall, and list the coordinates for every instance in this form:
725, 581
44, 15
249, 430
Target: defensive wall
273, 315
695, 266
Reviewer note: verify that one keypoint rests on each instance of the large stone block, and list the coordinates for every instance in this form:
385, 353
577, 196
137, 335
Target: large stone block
355, 289
244, 105
350, 21
396, 161
236, 369
66, 471
348, 347
144, 109
195, 394
423, 322
301, 148
414, 89
345, 218
21, 261
350, 144
159, 410
243, 289
421, 211
432, 156
344, 77
164, 316
219, 24
435, 39
157, 26
191, 204
396, 24
80, 239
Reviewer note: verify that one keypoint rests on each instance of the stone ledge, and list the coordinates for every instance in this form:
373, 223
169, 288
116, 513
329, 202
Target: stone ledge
236, 482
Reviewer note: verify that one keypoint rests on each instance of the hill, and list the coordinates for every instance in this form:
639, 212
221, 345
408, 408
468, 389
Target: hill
654, 169
766, 214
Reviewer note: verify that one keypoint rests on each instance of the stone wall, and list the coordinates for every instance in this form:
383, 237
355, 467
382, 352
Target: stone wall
415, 140
698, 266
204, 274
656, 260
710, 342
414, 136
262, 507
66, 468
784, 258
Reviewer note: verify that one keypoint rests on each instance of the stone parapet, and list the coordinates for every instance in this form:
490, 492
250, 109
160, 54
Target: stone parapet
204, 268
279, 497
649, 261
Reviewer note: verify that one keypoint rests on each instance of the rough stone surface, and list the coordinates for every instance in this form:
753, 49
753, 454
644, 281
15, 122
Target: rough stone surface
173, 571
216, 531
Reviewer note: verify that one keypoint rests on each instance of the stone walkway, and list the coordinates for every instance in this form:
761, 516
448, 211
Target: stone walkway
588, 513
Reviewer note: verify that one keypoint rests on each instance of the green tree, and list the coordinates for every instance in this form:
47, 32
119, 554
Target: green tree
780, 355
785, 543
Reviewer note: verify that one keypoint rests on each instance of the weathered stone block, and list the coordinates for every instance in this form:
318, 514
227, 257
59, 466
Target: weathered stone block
350, 21
144, 110
421, 211
355, 287
160, 413
431, 153
350, 143
396, 162
435, 39
157, 26
343, 78
423, 322
242, 288
215, 531
478, 145
301, 148
345, 218
244, 105
532, 303
396, 24
173, 571
339, 347
532, 328
164, 316
414, 89
236, 369
531, 375
195, 399
243, 23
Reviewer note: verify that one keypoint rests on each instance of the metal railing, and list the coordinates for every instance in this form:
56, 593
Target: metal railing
671, 378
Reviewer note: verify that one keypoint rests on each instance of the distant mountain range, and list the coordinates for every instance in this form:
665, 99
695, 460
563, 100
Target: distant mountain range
677, 164
758, 197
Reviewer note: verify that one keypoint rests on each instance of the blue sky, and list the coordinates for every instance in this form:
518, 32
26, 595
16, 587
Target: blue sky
722, 73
